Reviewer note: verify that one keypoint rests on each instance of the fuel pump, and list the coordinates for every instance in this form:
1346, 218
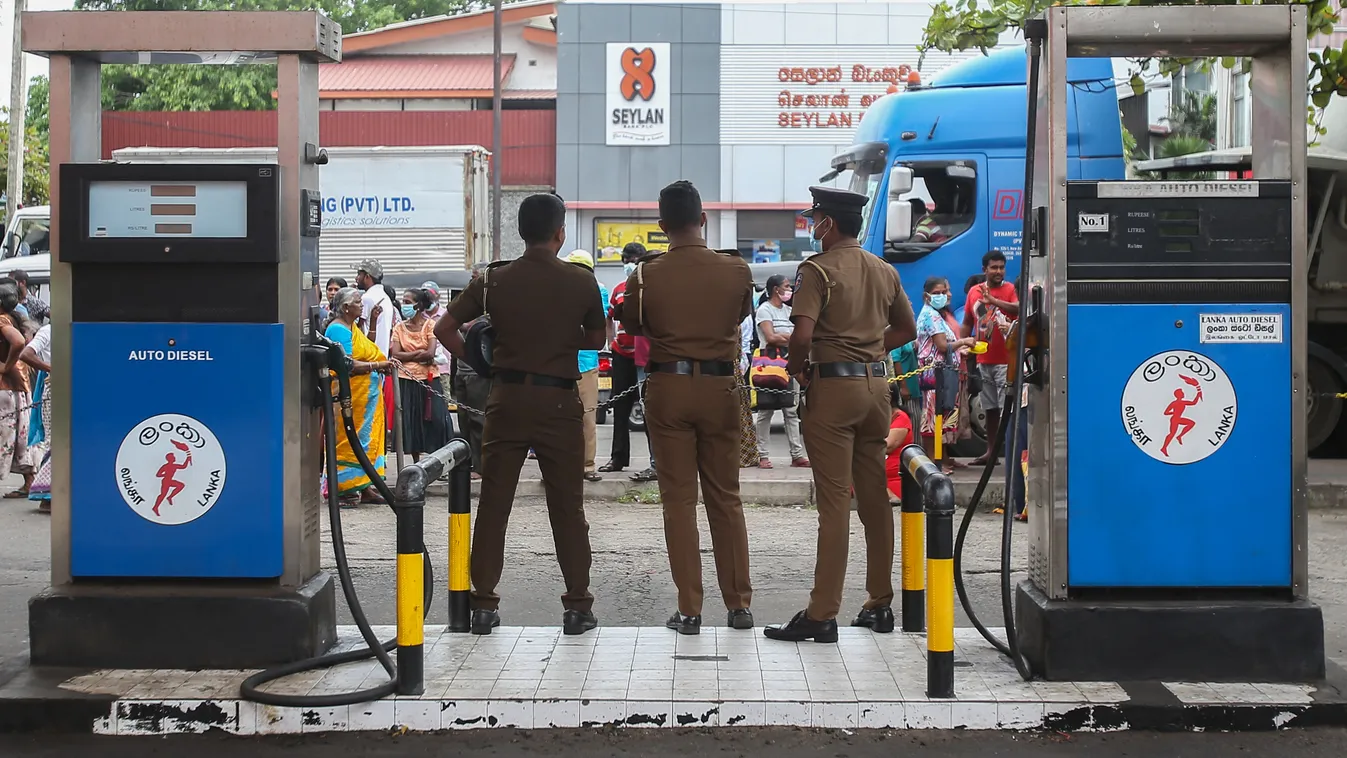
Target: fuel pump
1167, 522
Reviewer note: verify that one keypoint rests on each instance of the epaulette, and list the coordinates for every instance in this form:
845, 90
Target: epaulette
498, 264
650, 256
735, 253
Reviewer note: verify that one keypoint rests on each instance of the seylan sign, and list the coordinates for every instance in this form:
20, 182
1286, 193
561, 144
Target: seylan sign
638, 96
170, 469
1179, 407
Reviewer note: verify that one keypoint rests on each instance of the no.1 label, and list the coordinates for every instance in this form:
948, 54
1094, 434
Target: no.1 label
1240, 327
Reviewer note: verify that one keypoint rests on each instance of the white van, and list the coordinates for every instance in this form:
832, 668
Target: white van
27, 246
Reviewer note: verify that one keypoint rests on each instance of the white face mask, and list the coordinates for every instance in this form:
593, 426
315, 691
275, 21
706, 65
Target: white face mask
628, 268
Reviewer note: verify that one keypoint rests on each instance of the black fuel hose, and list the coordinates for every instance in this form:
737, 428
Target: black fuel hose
1009, 412
374, 648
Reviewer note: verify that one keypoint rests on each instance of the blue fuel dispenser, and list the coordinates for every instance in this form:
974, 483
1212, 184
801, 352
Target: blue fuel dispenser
186, 439
1165, 361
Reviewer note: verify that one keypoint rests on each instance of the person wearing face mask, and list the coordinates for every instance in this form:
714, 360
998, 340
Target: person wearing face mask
693, 400
543, 312
937, 343
849, 309
625, 372
425, 417
774, 330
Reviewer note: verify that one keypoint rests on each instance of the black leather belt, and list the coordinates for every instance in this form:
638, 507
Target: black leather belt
843, 368
707, 368
537, 380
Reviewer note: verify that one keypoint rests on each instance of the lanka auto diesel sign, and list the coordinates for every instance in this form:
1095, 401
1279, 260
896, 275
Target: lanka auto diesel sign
638, 93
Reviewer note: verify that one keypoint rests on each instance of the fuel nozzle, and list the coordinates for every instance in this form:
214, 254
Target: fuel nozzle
1034, 349
323, 355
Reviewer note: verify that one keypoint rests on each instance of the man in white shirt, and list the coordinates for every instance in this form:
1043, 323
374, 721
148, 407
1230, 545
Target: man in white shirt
369, 277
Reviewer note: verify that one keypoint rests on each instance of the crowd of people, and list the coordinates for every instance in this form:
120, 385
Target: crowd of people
25, 390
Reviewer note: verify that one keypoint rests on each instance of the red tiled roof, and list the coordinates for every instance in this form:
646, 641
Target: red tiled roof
435, 75
529, 94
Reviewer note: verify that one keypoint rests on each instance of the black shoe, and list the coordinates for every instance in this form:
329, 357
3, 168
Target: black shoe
483, 621
684, 624
578, 622
803, 628
740, 618
876, 619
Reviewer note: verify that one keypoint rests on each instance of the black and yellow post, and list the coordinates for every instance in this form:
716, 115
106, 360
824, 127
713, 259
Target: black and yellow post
912, 540
940, 593
411, 612
460, 548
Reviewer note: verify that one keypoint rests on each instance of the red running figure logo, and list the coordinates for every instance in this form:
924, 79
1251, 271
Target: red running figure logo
170, 487
1178, 425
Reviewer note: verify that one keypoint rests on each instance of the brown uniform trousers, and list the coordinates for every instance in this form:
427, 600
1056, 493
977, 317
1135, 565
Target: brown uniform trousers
693, 422
550, 420
844, 426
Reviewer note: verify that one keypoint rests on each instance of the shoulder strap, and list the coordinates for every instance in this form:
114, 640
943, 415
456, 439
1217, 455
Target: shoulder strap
640, 286
827, 282
486, 287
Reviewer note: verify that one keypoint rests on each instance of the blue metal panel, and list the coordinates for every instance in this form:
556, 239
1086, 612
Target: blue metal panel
1214, 508
145, 398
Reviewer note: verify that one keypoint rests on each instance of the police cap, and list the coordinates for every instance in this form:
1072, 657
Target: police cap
835, 202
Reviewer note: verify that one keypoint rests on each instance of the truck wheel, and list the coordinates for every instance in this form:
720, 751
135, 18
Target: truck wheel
1322, 412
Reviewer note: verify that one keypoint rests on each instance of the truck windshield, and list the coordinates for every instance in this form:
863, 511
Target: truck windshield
866, 182
30, 236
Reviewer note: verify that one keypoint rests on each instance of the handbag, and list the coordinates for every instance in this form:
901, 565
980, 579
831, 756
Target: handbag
768, 380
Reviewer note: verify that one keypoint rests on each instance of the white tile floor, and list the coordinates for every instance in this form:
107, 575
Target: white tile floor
535, 677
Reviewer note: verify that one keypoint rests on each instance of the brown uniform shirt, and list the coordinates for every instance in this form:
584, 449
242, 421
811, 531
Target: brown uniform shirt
694, 299
864, 296
540, 308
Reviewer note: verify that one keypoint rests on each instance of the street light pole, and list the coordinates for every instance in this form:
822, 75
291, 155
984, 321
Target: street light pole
496, 157
18, 102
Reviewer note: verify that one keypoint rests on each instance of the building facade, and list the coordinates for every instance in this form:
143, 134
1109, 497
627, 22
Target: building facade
749, 101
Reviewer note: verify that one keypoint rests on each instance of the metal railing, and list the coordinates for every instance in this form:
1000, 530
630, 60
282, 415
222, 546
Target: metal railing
409, 509
928, 496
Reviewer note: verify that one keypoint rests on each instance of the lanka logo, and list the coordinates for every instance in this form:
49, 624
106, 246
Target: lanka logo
638, 78
1179, 407
170, 469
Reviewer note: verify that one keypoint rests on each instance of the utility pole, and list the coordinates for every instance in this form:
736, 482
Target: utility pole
495, 138
18, 104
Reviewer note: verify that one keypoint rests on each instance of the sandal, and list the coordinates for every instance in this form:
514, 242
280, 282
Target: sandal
17, 495
591, 476
610, 468
764, 463
647, 475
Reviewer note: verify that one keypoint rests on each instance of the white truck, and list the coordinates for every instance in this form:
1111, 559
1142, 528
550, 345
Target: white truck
1326, 172
411, 208
27, 246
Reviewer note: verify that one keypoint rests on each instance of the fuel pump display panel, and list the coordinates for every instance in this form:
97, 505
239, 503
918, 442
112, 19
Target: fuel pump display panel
1233, 230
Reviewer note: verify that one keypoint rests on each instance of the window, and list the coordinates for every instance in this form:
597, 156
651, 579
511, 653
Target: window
31, 236
943, 198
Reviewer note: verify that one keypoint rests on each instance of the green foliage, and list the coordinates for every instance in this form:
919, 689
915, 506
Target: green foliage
968, 24
36, 189
1194, 116
39, 99
1180, 144
239, 87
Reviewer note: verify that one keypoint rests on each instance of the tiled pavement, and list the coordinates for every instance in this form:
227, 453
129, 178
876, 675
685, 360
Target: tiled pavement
535, 677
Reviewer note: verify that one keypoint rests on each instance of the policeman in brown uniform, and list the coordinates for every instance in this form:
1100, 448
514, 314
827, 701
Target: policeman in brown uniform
689, 303
543, 311
849, 309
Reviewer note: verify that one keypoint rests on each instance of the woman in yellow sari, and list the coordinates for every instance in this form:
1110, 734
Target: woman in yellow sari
367, 405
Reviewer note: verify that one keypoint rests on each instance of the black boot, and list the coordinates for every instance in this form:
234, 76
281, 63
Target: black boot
878, 620
740, 618
483, 621
803, 628
684, 624
578, 622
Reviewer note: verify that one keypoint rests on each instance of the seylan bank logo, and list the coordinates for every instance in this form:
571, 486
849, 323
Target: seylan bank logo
170, 469
1179, 407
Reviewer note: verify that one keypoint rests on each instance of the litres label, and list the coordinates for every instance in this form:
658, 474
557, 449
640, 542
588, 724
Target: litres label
1179, 407
170, 469
1092, 222
1240, 327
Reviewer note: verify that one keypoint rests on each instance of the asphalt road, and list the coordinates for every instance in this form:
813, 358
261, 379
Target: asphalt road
726, 743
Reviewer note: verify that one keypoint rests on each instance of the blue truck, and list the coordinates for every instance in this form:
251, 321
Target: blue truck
957, 146
948, 159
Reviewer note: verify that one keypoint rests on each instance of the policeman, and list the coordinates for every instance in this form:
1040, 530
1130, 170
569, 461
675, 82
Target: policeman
849, 309
543, 311
689, 302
